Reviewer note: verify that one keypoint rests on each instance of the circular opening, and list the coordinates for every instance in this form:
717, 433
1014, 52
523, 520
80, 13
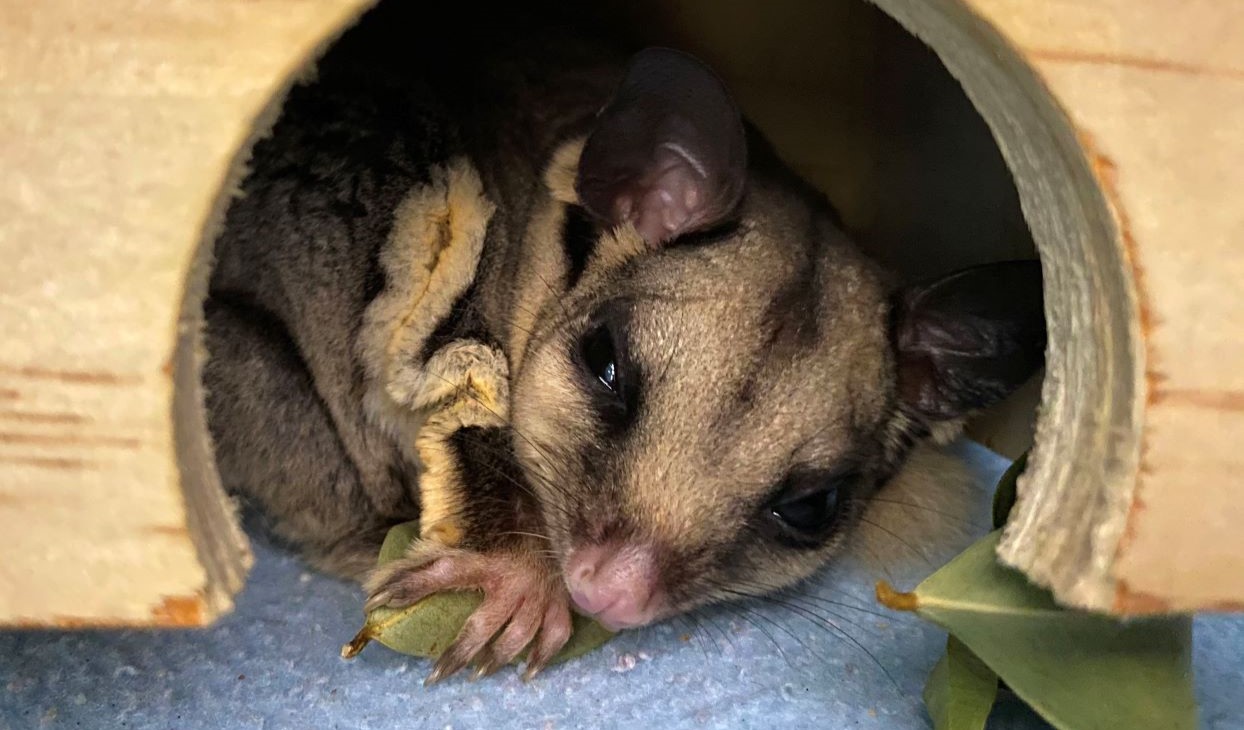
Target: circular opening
938, 156
1089, 425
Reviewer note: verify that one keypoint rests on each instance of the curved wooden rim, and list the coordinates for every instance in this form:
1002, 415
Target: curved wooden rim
1089, 428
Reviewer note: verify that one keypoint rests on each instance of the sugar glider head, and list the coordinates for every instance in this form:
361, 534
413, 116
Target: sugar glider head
709, 376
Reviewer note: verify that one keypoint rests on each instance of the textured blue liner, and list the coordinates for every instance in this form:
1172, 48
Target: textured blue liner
274, 664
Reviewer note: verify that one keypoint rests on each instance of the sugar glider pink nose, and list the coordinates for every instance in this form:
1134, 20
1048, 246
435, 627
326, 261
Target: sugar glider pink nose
616, 583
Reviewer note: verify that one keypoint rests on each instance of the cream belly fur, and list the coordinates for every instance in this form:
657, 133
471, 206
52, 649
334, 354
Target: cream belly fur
430, 260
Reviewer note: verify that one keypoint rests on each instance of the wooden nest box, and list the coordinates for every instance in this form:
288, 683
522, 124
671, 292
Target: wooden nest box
124, 130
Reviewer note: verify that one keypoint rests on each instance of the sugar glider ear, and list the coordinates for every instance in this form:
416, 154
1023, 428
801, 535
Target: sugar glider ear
968, 340
668, 153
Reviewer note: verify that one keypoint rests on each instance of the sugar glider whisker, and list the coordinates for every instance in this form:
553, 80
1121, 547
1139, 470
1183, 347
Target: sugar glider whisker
570, 309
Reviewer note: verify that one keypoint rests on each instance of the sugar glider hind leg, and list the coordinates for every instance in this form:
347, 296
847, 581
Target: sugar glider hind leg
277, 445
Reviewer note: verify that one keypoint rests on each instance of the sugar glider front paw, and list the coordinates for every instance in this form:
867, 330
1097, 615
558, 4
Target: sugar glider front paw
525, 605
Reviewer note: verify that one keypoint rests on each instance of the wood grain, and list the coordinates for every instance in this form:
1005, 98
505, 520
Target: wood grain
1131, 503
122, 123
125, 123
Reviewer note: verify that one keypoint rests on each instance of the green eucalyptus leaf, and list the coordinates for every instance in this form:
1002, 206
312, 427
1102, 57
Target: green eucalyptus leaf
396, 540
960, 690
1080, 671
426, 628
1004, 495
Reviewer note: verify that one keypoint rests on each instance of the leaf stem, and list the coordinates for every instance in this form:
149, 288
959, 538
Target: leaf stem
360, 640
895, 601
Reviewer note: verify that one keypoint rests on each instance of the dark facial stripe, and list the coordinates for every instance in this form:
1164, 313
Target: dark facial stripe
492, 486
791, 318
789, 326
579, 234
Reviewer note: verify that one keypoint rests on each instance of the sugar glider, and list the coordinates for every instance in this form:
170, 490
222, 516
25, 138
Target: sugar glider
568, 308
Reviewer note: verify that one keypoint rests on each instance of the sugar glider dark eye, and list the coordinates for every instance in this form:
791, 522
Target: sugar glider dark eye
807, 505
811, 513
600, 357
611, 380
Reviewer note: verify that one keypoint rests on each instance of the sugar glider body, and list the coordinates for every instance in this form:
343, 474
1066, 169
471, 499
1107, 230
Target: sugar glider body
570, 311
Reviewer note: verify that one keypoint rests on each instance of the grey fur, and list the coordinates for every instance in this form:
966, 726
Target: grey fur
764, 340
